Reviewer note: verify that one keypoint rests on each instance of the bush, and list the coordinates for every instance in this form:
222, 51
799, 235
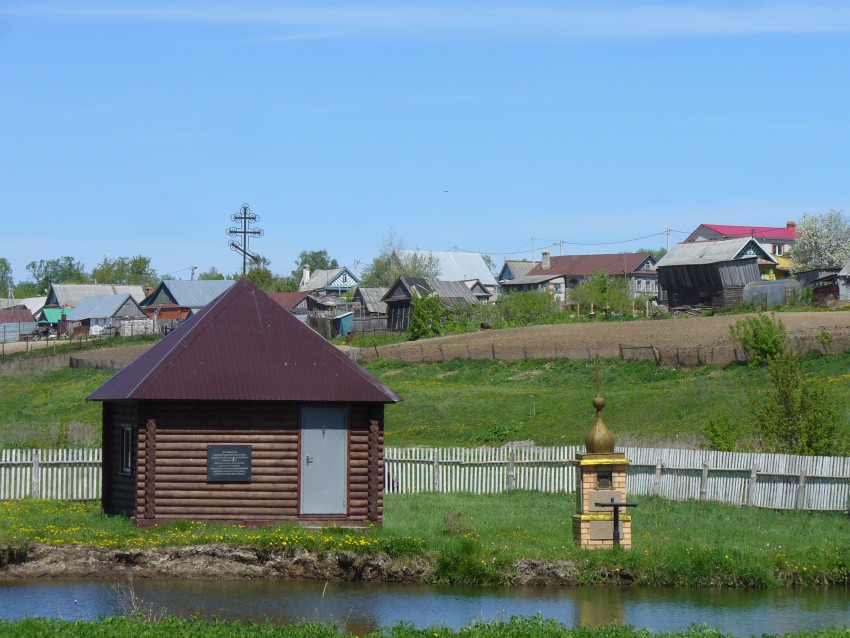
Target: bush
800, 415
762, 338
721, 432
526, 308
426, 317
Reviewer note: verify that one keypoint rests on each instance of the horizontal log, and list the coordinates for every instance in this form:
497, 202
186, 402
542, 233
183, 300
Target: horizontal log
236, 438
262, 484
278, 499
215, 510
181, 458
177, 471
196, 445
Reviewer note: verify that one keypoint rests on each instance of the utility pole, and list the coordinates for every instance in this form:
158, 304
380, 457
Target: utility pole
561, 248
246, 217
668, 239
193, 269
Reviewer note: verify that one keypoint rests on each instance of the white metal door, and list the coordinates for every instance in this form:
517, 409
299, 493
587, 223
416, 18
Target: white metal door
324, 461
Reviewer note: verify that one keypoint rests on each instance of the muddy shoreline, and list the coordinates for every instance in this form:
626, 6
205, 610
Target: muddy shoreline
233, 563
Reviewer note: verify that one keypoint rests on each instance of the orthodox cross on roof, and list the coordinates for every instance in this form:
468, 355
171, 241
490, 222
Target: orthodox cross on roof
246, 217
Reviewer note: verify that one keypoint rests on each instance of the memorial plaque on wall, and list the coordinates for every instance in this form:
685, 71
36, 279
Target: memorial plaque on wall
228, 464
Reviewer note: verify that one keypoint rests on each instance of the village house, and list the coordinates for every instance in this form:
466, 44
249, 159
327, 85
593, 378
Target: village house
335, 282
458, 266
513, 268
175, 300
244, 415
405, 289
776, 240
710, 273
114, 314
557, 275
16, 324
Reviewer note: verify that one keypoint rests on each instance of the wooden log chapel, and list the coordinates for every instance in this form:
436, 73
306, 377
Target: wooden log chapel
244, 415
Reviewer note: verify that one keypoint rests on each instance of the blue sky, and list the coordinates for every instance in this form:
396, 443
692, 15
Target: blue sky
139, 128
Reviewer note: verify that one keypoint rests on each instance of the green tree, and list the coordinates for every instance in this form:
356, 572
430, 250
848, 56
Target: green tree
823, 241
211, 274
658, 253
603, 292
135, 270
316, 259
6, 280
426, 317
388, 265
798, 415
63, 270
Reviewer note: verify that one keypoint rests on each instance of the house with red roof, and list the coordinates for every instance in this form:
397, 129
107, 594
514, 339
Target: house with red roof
243, 414
776, 239
558, 275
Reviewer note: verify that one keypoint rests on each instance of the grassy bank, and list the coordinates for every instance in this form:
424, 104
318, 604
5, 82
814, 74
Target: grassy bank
470, 403
467, 403
170, 627
534, 627
479, 539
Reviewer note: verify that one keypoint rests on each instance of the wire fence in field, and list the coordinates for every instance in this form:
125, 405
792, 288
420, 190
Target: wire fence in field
776, 481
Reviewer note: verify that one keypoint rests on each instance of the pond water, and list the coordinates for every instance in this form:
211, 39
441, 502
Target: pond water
361, 607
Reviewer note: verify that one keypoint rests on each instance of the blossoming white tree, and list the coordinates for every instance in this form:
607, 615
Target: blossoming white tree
823, 241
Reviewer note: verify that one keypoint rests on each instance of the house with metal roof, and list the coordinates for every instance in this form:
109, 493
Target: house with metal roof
243, 414
179, 299
513, 268
557, 275
113, 313
399, 296
457, 266
69, 295
777, 240
33, 304
16, 323
711, 273
371, 300
336, 281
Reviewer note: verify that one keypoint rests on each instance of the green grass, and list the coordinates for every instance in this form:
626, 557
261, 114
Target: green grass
476, 539
467, 402
48, 408
171, 627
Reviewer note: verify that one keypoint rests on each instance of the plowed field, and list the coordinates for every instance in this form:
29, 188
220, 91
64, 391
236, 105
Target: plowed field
684, 341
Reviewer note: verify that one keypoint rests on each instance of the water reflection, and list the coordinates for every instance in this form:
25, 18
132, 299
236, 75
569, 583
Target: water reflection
362, 607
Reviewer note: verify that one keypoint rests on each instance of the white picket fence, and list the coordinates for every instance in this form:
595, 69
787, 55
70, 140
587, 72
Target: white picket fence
71, 475
777, 481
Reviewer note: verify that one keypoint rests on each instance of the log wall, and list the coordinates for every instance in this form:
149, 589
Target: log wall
171, 470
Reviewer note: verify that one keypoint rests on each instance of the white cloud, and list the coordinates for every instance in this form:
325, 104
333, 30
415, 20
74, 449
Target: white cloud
470, 20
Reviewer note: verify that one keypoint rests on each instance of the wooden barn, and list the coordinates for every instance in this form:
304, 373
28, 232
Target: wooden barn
711, 273
399, 296
243, 414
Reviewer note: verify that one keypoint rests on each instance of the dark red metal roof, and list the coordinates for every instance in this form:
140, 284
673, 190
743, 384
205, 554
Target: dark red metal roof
584, 265
16, 314
245, 347
289, 299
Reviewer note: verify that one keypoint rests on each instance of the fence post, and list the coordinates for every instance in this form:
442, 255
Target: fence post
512, 470
493, 348
703, 484
400, 355
36, 475
436, 470
656, 483
751, 494
801, 492
442, 354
